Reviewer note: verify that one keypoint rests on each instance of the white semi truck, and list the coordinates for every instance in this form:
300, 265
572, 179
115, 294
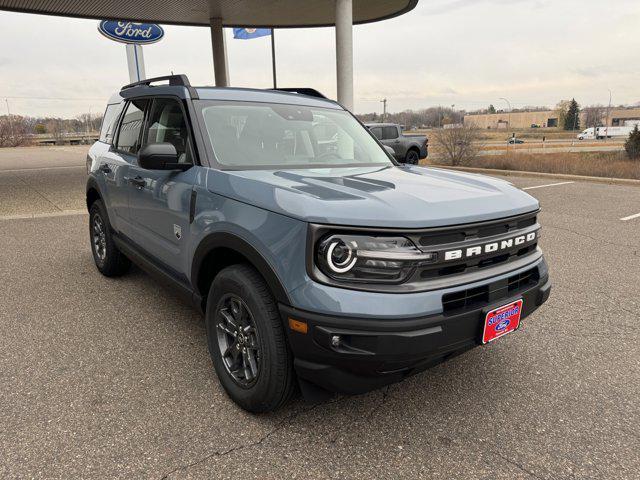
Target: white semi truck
605, 132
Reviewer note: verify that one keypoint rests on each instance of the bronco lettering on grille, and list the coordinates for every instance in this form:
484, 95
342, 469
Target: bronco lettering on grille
489, 247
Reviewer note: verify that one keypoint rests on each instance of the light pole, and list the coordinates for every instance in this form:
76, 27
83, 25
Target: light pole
606, 129
384, 109
6, 100
509, 114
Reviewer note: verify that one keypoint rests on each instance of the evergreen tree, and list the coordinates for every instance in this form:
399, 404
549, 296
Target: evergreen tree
491, 109
572, 117
632, 145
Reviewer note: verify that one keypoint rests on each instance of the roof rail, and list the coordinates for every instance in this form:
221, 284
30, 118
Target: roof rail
312, 92
174, 81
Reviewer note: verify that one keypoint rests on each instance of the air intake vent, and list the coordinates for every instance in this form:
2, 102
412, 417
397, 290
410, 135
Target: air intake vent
481, 296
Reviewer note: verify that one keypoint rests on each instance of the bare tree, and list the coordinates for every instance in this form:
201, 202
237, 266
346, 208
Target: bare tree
593, 115
13, 131
459, 145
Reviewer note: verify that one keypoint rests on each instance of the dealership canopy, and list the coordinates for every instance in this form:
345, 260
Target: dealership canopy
237, 13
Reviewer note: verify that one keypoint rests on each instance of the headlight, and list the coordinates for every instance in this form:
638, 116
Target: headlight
360, 258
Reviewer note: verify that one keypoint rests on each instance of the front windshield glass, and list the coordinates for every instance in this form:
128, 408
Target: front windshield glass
247, 135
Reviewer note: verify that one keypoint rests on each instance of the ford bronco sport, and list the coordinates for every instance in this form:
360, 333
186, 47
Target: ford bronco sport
317, 260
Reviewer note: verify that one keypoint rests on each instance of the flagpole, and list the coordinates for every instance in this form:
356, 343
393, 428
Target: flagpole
273, 57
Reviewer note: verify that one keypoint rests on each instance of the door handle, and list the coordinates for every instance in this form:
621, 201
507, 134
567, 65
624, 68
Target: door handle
139, 182
104, 168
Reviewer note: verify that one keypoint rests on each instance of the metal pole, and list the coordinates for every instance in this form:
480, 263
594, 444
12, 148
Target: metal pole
509, 114
9, 116
384, 108
135, 62
606, 131
273, 57
219, 49
344, 52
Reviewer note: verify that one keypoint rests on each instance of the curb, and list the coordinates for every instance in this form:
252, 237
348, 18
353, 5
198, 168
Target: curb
561, 176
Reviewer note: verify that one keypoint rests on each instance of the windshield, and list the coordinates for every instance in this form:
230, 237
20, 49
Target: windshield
247, 135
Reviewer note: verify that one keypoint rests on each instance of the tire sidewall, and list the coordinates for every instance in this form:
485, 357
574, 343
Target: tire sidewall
97, 209
233, 281
412, 157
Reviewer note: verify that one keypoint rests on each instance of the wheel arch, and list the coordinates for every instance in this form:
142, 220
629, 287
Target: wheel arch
222, 249
93, 192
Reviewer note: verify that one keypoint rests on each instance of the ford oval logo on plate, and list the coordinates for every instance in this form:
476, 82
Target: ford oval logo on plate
502, 325
131, 32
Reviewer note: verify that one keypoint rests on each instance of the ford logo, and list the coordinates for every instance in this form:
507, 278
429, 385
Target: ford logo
503, 325
131, 32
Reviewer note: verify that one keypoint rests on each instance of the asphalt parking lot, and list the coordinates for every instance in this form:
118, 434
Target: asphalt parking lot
111, 378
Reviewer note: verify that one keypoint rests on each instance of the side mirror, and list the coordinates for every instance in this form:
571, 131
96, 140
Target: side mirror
160, 156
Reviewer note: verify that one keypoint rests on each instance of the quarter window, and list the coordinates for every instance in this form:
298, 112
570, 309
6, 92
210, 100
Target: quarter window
109, 121
377, 132
389, 133
130, 127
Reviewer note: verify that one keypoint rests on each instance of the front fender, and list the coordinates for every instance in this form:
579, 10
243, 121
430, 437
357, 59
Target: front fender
275, 244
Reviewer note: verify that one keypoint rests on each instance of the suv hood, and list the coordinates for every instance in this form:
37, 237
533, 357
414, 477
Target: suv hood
400, 197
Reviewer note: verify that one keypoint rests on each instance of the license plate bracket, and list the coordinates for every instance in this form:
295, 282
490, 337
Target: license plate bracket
501, 320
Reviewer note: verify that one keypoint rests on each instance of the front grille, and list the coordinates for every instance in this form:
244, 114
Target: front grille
479, 232
441, 240
495, 291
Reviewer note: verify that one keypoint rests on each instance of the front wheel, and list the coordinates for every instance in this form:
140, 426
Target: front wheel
247, 342
412, 157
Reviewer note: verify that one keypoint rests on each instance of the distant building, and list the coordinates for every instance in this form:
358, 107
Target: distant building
506, 120
548, 118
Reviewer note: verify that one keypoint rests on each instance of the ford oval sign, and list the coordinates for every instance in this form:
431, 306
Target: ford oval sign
131, 32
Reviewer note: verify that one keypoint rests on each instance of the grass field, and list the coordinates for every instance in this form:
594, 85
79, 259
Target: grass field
597, 164
526, 133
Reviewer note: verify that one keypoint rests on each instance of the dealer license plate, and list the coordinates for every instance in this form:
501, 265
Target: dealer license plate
501, 320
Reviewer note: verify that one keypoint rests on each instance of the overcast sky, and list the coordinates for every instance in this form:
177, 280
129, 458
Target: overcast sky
466, 53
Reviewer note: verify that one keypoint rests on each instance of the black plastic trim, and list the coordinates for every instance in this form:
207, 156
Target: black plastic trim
375, 352
236, 243
162, 273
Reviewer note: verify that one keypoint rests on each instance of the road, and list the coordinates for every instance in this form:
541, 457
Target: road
110, 378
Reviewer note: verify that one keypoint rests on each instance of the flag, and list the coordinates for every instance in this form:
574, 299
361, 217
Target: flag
249, 33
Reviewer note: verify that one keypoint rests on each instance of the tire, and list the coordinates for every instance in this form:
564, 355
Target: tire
110, 261
254, 332
412, 157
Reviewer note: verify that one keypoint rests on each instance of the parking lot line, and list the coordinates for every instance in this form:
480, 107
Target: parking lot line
62, 213
630, 217
547, 185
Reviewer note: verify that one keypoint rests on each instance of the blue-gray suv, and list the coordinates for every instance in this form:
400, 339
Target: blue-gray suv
318, 261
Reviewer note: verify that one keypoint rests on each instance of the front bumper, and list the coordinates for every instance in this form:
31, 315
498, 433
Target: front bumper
374, 352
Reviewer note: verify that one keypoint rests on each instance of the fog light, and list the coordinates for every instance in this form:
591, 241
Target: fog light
335, 341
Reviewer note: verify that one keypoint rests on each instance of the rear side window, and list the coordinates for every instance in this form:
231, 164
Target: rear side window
377, 132
389, 133
130, 127
109, 121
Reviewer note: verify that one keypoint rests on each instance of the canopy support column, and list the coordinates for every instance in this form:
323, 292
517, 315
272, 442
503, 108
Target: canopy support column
344, 52
219, 48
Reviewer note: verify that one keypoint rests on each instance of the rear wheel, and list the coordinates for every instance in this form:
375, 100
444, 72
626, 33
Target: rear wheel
412, 157
247, 342
110, 261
